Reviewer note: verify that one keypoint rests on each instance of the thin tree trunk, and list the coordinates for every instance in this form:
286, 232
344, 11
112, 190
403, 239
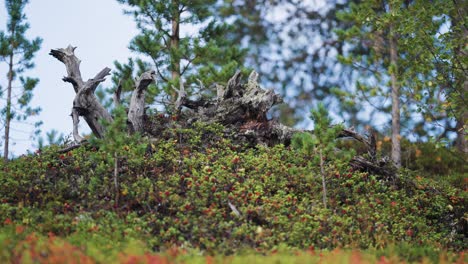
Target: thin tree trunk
175, 39
461, 82
8, 109
324, 186
461, 142
462, 118
116, 179
396, 138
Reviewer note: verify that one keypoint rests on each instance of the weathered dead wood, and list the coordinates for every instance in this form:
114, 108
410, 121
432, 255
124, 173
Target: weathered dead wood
241, 107
136, 111
369, 141
117, 93
72, 147
382, 167
72, 63
85, 103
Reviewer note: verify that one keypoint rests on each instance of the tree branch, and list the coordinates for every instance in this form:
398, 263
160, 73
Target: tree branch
72, 64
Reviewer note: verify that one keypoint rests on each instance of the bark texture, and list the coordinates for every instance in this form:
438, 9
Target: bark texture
136, 111
396, 138
369, 162
86, 104
457, 17
8, 109
241, 107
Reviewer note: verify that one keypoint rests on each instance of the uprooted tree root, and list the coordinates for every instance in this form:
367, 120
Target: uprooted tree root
241, 107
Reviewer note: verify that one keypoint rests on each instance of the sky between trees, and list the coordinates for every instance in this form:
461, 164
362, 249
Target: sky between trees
101, 32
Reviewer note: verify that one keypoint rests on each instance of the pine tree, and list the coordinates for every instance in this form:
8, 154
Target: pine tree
410, 59
182, 40
457, 39
18, 52
321, 144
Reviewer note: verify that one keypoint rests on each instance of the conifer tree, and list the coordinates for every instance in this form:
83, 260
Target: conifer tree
321, 144
18, 52
409, 69
182, 40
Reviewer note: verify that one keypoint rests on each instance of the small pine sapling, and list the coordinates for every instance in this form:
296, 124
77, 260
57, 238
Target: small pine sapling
321, 144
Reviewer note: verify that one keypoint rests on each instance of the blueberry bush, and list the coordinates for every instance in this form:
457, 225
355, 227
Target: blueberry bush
194, 190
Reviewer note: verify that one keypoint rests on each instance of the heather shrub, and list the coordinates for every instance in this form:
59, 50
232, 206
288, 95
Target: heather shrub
196, 189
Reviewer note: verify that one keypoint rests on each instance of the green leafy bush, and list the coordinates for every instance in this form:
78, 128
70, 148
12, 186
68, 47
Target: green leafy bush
224, 198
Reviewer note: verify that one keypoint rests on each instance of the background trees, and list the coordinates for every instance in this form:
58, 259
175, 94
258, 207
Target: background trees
183, 41
411, 44
292, 44
295, 45
18, 52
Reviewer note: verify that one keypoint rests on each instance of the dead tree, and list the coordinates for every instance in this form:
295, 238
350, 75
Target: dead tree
370, 162
136, 111
238, 106
241, 107
86, 103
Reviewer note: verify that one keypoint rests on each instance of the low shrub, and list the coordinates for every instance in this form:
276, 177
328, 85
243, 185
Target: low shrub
223, 198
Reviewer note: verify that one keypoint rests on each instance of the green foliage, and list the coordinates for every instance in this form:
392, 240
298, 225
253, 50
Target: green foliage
219, 197
427, 36
18, 52
324, 134
183, 41
321, 144
116, 140
278, 35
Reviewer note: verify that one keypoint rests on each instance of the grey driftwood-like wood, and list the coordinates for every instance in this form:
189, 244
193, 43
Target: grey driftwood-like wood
136, 111
87, 105
370, 163
241, 107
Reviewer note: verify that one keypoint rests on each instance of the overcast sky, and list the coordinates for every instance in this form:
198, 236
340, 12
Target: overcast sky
101, 32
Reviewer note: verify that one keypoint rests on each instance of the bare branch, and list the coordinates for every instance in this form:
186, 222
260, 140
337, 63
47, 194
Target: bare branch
72, 63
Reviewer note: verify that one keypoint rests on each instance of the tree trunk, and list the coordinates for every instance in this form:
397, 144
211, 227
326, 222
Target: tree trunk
461, 127
324, 186
86, 103
461, 82
175, 39
396, 138
8, 109
136, 110
116, 180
